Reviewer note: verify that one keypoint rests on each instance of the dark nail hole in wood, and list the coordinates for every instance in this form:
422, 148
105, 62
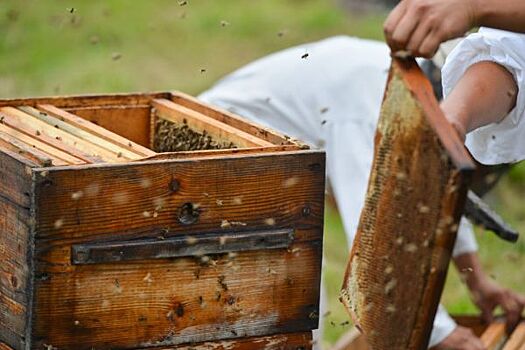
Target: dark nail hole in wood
174, 185
188, 214
306, 211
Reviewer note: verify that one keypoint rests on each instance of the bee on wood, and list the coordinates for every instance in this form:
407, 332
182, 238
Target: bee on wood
223, 284
77, 195
58, 223
269, 221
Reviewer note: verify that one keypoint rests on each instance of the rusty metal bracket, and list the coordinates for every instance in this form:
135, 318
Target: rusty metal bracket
181, 246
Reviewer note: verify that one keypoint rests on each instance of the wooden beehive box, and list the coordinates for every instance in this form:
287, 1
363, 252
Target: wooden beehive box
108, 243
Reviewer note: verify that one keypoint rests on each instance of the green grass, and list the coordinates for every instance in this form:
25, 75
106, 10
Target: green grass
46, 50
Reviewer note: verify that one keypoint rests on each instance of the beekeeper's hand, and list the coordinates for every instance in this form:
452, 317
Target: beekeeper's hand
486, 294
420, 26
461, 338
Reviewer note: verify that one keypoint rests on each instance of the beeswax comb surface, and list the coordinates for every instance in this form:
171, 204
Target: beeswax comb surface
408, 225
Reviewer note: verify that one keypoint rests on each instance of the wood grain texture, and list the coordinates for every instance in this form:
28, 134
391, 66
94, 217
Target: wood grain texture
494, 336
200, 123
33, 132
60, 123
236, 121
4, 346
221, 152
184, 300
97, 130
407, 229
291, 341
44, 147
15, 250
118, 118
517, 338
31, 155
86, 101
180, 300
38, 127
287, 187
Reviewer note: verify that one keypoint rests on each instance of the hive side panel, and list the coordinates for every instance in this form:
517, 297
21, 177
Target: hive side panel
183, 300
116, 198
407, 228
15, 247
292, 341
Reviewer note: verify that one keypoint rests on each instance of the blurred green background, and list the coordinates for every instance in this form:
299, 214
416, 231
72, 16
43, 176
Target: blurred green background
75, 47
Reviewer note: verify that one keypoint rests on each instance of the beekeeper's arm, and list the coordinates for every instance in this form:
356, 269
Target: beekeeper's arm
484, 88
421, 25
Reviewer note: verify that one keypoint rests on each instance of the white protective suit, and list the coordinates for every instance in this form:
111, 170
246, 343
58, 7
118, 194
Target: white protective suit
331, 100
502, 142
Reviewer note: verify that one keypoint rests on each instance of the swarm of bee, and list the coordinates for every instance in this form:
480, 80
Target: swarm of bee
170, 137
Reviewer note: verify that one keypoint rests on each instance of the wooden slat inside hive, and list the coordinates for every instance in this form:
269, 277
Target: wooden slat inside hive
408, 225
60, 131
56, 137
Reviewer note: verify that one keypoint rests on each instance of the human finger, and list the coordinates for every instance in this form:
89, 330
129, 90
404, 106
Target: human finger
417, 38
430, 44
393, 19
512, 309
404, 29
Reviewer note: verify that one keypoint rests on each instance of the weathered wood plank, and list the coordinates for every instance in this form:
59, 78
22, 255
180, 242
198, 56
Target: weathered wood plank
517, 338
34, 142
234, 120
32, 131
285, 189
4, 346
494, 336
291, 341
62, 124
32, 154
179, 301
99, 131
118, 119
351, 340
198, 122
15, 186
220, 152
12, 115
414, 201
15, 250
130, 99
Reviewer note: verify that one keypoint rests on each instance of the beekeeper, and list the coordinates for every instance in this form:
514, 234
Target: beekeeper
329, 94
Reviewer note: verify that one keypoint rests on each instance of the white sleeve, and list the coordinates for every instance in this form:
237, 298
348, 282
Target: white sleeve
443, 326
502, 142
465, 241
